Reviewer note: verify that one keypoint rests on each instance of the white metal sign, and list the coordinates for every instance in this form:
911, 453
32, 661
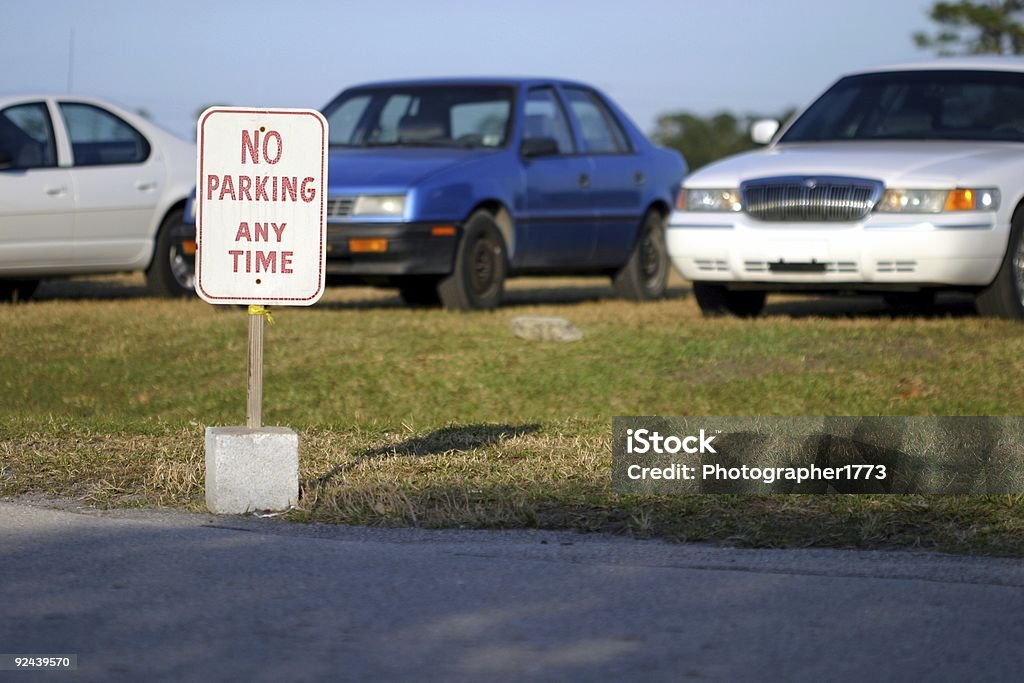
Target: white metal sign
260, 206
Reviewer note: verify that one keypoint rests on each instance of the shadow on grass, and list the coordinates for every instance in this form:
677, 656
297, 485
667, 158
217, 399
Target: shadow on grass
445, 440
88, 288
532, 295
946, 305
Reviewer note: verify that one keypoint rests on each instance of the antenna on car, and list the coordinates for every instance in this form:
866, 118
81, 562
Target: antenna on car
71, 57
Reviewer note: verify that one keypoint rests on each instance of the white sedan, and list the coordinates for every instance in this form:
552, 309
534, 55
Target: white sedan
905, 180
86, 187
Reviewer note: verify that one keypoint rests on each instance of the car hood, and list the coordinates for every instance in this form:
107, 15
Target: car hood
391, 168
896, 163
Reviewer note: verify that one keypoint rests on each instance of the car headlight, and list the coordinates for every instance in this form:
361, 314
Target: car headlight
709, 200
379, 205
938, 201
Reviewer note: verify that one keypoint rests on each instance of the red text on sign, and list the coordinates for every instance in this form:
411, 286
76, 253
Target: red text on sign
259, 261
260, 188
251, 143
260, 231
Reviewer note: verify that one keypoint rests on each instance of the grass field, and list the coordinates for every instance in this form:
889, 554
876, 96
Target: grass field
429, 418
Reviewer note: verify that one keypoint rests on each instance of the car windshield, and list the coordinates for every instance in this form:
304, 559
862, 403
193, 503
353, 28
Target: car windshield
433, 116
917, 105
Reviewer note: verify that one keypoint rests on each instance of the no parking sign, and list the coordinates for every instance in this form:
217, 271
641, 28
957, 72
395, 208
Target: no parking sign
260, 206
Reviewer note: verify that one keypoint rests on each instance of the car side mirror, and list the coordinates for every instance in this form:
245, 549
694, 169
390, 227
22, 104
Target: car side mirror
539, 147
763, 131
6, 160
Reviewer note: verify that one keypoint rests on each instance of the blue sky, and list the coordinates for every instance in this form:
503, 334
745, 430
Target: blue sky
651, 56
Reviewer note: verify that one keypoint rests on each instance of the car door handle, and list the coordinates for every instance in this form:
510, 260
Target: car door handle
142, 186
639, 178
56, 191
584, 180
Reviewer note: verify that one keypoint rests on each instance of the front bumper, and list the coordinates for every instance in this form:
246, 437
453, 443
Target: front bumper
412, 249
954, 250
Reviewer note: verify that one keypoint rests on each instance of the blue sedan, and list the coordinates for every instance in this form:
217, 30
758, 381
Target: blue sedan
444, 188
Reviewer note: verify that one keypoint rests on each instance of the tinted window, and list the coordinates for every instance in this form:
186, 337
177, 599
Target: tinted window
545, 118
444, 116
27, 136
600, 131
917, 105
100, 138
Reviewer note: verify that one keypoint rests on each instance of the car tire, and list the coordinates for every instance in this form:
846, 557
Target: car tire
718, 300
645, 275
477, 281
16, 291
419, 291
1004, 298
172, 271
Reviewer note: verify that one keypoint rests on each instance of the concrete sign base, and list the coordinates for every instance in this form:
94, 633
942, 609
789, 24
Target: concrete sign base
251, 469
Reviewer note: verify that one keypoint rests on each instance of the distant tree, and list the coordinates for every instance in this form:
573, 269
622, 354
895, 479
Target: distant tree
975, 28
702, 140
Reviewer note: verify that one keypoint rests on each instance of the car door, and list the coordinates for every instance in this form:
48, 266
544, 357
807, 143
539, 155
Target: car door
557, 220
117, 180
37, 211
617, 176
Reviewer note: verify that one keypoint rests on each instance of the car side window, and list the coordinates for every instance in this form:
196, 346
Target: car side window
545, 118
600, 130
26, 136
99, 138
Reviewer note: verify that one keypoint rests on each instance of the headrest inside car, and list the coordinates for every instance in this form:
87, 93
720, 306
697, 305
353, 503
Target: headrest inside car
412, 128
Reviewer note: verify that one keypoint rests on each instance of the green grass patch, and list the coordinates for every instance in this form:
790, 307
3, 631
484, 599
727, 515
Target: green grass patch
422, 417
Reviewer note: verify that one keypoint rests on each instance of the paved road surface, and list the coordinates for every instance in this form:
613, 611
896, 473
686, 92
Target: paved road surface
169, 596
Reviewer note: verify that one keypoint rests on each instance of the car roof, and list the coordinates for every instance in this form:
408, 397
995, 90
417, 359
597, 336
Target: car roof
508, 81
972, 63
7, 98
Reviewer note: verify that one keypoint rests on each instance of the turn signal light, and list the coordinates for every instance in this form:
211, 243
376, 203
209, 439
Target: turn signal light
960, 200
443, 231
367, 246
188, 247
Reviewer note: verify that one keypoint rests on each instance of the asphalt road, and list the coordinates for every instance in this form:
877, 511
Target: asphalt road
155, 596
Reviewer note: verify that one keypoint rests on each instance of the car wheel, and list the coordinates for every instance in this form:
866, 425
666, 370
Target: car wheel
419, 291
173, 269
16, 291
645, 275
717, 300
477, 281
1004, 298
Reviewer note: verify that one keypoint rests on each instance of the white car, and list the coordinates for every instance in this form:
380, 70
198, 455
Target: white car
86, 187
904, 180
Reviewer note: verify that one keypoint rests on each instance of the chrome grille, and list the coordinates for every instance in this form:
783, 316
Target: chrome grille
340, 207
824, 199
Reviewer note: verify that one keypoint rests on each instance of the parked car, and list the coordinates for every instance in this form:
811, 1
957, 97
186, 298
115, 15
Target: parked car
905, 180
444, 188
86, 187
